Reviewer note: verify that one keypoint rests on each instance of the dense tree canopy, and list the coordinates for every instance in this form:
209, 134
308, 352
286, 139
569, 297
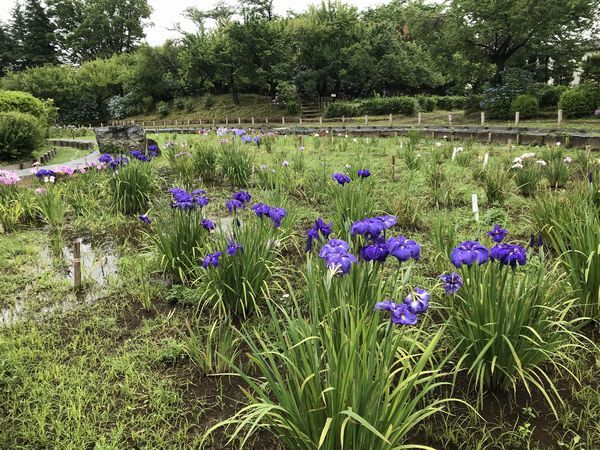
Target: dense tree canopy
403, 47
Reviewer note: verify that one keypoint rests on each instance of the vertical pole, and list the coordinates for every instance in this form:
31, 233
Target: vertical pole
239, 121
391, 120
482, 113
188, 122
475, 206
300, 120
419, 118
213, 122
366, 120
517, 116
283, 120
393, 168
343, 119
253, 121
321, 120
226, 120
560, 116
450, 119
266, 120
77, 263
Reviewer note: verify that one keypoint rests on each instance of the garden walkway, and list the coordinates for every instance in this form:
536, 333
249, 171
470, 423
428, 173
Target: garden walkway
75, 164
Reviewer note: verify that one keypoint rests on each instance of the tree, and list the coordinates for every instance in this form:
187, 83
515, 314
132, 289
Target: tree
39, 43
7, 55
497, 29
91, 29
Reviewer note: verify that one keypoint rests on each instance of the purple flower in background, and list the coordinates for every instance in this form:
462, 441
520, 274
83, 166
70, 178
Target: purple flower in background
45, 173
341, 178
374, 252
242, 196
153, 150
105, 158
538, 243
469, 252
198, 192
182, 199
509, 254
276, 215
233, 205
400, 313
363, 173
497, 233
256, 139
212, 259
340, 262
320, 227
373, 226
144, 218
246, 138
418, 301
261, 209
403, 249
118, 162
334, 246
452, 282
233, 247
239, 131
208, 224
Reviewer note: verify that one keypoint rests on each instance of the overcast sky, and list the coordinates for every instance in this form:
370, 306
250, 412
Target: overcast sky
168, 12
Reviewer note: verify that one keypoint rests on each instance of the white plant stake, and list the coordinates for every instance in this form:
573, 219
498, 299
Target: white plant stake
475, 207
486, 159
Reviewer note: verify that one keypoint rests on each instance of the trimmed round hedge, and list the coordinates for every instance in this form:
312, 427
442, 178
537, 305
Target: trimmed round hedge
526, 105
20, 135
579, 101
24, 103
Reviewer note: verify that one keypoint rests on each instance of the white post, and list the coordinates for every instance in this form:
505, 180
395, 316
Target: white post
419, 118
343, 119
300, 120
253, 121
475, 206
482, 117
450, 119
559, 116
239, 121
266, 120
390, 120
283, 120
188, 122
321, 120
366, 120
517, 118
226, 120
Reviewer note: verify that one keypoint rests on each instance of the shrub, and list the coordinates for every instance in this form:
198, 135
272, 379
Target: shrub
526, 105
550, 95
205, 158
162, 108
20, 135
131, 187
450, 102
121, 106
497, 99
208, 100
340, 108
472, 104
388, 105
26, 103
581, 100
426, 103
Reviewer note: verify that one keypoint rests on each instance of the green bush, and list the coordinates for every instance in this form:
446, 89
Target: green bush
472, 104
526, 105
580, 101
208, 100
427, 103
550, 95
20, 135
26, 103
450, 102
162, 108
339, 109
388, 105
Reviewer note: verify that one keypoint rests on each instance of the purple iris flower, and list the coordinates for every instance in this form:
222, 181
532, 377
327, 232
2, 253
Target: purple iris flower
497, 233
418, 301
341, 178
105, 158
208, 224
153, 150
276, 215
373, 226
469, 252
320, 227
509, 254
144, 218
374, 252
233, 205
261, 209
340, 262
400, 313
403, 249
538, 243
242, 196
212, 259
45, 173
363, 173
233, 247
334, 246
246, 138
452, 282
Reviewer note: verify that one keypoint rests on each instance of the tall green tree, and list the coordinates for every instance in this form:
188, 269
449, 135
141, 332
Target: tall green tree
39, 42
7, 50
91, 29
496, 30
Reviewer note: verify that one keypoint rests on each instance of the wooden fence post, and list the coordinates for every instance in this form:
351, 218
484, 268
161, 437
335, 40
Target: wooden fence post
77, 263
560, 116
419, 118
391, 120
450, 119
366, 119
482, 114
517, 116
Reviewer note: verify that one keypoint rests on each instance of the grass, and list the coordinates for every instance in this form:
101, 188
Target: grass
115, 367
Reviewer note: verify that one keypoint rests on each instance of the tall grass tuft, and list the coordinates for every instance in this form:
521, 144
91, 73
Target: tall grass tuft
132, 186
236, 164
343, 377
510, 323
205, 161
351, 201
51, 207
